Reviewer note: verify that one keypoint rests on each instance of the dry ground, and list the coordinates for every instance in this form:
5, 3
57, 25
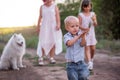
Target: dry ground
106, 67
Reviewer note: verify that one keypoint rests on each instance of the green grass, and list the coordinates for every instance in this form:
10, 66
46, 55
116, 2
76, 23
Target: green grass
64, 48
57, 64
29, 34
32, 42
31, 38
1, 48
27, 56
113, 46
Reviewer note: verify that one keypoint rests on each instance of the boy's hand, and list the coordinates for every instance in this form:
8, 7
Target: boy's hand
83, 34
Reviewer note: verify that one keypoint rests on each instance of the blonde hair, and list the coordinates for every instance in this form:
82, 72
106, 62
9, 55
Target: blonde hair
69, 19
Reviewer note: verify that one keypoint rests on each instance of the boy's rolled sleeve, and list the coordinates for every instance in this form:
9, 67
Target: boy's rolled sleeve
66, 38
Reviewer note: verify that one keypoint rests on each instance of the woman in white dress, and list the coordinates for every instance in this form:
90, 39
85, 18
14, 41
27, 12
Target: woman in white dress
50, 35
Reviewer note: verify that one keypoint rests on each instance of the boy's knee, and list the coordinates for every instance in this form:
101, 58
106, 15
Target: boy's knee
84, 76
72, 76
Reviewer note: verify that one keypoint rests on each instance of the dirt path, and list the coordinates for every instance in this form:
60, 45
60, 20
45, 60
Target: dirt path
105, 68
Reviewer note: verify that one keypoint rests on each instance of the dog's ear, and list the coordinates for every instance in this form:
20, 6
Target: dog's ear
15, 35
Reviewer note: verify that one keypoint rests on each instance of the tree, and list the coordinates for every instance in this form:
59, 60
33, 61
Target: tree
108, 12
108, 15
69, 8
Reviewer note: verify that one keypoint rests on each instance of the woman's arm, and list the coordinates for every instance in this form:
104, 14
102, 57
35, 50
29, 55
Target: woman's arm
39, 19
57, 18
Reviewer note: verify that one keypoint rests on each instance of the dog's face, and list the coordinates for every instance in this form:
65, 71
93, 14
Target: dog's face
19, 39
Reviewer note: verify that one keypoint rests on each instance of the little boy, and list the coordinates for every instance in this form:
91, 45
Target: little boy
76, 67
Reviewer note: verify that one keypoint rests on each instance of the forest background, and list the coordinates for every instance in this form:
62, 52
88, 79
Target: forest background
107, 31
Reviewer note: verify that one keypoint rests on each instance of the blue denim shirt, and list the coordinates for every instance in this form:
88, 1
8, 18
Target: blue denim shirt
75, 52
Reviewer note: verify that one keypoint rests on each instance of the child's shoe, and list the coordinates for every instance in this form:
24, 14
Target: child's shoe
90, 65
41, 63
52, 61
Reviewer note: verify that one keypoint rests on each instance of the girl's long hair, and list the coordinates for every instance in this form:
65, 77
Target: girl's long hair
84, 3
44, 0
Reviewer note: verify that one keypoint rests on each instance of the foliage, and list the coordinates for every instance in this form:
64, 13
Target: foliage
109, 17
1, 48
68, 9
113, 46
29, 34
32, 40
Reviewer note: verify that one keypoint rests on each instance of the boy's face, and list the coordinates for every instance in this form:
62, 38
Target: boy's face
73, 27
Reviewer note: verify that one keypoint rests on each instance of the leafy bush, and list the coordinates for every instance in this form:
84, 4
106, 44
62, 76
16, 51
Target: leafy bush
31, 42
113, 46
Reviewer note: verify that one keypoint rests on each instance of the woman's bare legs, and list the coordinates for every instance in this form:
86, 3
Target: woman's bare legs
52, 54
43, 52
41, 58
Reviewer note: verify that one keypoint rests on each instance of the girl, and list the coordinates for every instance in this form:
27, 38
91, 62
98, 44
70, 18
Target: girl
88, 21
50, 35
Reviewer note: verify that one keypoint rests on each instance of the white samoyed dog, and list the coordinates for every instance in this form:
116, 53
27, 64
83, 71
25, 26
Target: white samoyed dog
13, 53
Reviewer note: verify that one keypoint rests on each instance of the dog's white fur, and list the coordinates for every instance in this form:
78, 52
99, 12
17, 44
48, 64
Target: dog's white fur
13, 53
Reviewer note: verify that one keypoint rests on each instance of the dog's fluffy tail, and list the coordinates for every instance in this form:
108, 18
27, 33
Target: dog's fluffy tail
0, 65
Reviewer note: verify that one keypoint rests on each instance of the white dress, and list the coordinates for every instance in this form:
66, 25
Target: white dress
90, 38
49, 36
